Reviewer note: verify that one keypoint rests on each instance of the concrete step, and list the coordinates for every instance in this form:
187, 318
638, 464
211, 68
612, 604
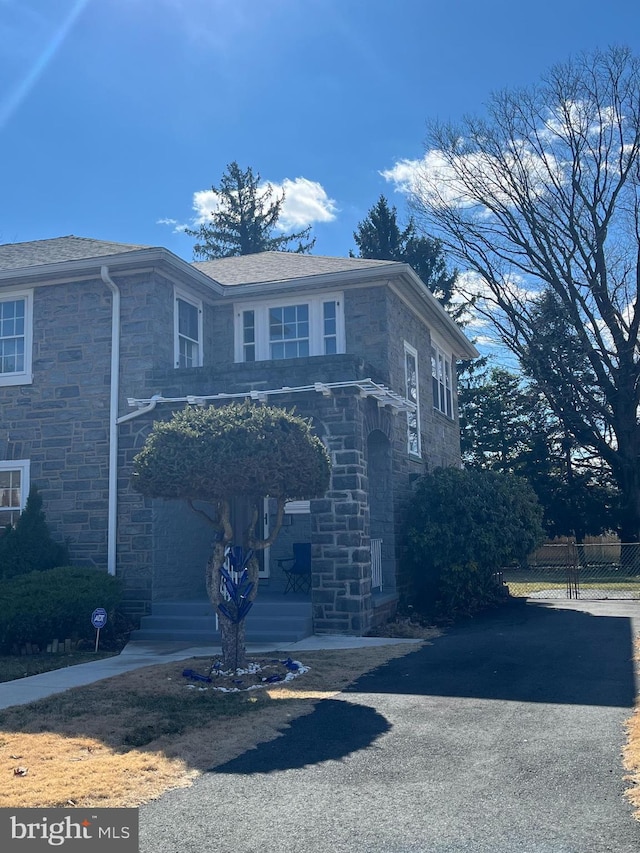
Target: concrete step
270, 620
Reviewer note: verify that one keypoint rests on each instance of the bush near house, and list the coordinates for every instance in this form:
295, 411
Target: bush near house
39, 607
28, 546
463, 526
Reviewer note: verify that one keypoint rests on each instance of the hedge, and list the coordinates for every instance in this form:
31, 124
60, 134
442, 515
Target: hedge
463, 526
39, 607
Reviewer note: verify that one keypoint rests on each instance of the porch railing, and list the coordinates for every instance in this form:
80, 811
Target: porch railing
376, 564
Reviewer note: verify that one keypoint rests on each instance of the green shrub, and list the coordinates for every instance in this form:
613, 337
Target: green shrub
464, 525
28, 546
39, 607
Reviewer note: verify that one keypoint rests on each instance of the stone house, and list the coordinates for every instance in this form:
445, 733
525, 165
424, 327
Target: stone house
98, 339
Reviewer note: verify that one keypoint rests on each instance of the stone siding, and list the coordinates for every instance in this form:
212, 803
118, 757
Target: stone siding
61, 424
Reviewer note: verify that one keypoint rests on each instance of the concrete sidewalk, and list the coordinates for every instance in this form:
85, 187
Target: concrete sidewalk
139, 654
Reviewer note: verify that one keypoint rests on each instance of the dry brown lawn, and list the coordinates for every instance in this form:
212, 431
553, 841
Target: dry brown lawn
632, 753
126, 740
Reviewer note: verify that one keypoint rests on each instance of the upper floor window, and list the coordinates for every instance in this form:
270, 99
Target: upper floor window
290, 329
188, 331
413, 395
16, 322
441, 374
14, 489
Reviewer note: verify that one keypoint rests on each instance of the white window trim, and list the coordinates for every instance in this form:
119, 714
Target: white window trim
448, 357
191, 300
261, 319
22, 377
24, 466
297, 507
409, 350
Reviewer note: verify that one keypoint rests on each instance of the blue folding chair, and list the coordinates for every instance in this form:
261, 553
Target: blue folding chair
299, 574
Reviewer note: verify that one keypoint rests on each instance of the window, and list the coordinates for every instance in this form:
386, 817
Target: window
14, 489
412, 394
277, 330
441, 381
188, 331
289, 331
16, 319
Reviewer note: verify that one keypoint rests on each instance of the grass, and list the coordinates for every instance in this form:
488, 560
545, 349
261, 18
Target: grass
524, 582
21, 666
126, 740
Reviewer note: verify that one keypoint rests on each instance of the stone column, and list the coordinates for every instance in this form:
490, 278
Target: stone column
341, 592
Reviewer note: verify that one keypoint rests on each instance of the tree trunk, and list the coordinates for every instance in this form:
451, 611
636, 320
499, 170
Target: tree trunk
234, 652
232, 634
629, 482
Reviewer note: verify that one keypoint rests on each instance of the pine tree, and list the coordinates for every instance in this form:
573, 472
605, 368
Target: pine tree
245, 219
380, 237
28, 546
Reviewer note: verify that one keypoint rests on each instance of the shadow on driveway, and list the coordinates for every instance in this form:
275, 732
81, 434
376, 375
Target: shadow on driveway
523, 652
333, 730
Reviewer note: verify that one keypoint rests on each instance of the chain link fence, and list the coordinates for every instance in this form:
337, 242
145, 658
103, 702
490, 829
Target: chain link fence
595, 571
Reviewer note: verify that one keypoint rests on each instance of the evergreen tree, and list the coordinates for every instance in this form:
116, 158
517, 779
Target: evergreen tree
380, 237
28, 546
246, 216
507, 426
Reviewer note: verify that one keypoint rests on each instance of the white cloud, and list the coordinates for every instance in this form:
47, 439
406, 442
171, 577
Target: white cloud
205, 202
403, 175
306, 202
442, 180
178, 227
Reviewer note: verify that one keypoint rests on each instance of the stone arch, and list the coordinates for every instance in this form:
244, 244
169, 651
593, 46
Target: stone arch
377, 419
381, 502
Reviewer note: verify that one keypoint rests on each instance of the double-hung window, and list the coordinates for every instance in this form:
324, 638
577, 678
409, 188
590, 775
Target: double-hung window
289, 328
412, 394
14, 489
187, 331
16, 322
441, 373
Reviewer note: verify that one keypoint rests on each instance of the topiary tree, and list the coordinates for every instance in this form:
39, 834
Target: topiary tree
240, 454
28, 545
464, 525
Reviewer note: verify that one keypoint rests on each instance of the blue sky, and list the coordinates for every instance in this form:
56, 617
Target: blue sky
116, 114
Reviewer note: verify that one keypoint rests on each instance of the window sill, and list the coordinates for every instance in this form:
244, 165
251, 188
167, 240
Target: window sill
449, 418
16, 379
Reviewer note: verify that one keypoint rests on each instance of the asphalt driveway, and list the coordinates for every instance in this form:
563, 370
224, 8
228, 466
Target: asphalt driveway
504, 735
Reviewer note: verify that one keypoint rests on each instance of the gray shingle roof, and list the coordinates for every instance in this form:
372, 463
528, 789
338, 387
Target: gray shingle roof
15, 256
279, 266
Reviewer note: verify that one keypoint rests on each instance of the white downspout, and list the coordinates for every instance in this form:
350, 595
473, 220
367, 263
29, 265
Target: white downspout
113, 418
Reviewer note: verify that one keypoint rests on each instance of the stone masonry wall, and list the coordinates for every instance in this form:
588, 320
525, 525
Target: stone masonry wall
60, 422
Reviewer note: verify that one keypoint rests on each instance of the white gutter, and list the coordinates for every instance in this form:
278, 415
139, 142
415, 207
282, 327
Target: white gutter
141, 410
113, 420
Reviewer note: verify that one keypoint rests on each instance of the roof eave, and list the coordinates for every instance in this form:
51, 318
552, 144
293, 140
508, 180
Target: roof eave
462, 346
319, 281
120, 262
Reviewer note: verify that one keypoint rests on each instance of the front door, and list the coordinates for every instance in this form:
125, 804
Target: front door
263, 533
